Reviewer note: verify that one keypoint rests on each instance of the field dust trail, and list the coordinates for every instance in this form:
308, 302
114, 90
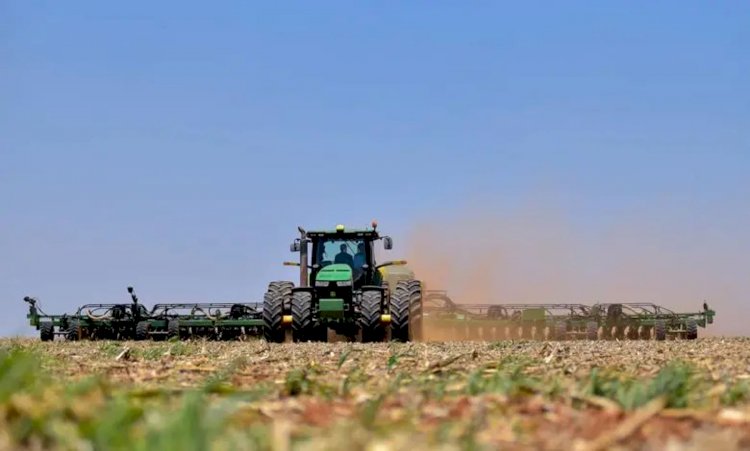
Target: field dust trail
538, 254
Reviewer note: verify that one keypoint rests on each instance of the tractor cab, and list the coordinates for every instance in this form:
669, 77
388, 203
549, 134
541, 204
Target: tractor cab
341, 257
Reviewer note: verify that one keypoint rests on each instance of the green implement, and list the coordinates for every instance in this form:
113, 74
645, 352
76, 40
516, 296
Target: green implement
447, 320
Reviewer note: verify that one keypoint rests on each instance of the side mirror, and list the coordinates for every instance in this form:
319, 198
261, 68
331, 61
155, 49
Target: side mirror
130, 290
387, 243
294, 246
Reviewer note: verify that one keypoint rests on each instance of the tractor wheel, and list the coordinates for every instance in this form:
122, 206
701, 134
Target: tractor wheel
692, 329
75, 331
592, 330
406, 311
369, 317
561, 331
46, 331
278, 294
302, 316
141, 330
173, 328
660, 331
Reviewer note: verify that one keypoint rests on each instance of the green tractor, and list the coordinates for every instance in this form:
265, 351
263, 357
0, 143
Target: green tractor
342, 288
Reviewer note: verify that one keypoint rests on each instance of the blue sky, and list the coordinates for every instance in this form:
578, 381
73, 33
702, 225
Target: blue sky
176, 147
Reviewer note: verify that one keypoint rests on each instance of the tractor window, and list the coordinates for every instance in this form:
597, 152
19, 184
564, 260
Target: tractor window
350, 252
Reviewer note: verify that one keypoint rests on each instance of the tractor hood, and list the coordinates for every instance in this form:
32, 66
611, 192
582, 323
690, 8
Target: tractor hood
335, 273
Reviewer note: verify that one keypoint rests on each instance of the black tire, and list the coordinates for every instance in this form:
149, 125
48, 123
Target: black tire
275, 300
142, 330
369, 317
46, 331
592, 330
660, 330
173, 328
303, 321
406, 311
561, 331
416, 309
692, 329
75, 331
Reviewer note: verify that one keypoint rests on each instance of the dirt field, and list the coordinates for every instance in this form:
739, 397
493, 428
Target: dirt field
251, 395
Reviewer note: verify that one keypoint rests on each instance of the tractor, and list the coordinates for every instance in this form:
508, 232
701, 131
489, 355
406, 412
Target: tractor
342, 288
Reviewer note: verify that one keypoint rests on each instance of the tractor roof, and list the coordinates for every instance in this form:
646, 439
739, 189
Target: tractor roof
343, 232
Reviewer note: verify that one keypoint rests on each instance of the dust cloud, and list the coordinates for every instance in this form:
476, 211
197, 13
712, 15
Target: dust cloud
535, 254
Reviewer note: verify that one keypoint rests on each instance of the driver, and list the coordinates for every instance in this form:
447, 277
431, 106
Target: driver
344, 257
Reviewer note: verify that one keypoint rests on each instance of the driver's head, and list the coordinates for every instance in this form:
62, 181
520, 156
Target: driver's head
343, 248
361, 248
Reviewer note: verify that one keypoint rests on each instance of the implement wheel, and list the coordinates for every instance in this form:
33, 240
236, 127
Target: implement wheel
75, 331
692, 329
592, 330
303, 323
46, 331
660, 331
561, 331
369, 317
141, 330
173, 328
275, 300
406, 311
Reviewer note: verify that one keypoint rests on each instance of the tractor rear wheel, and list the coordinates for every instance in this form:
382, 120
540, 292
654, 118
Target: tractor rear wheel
173, 328
141, 330
75, 331
406, 311
275, 300
46, 331
303, 323
692, 329
369, 316
592, 330
660, 330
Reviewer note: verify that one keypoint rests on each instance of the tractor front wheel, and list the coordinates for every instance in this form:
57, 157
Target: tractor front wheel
47, 331
406, 311
303, 324
278, 294
369, 317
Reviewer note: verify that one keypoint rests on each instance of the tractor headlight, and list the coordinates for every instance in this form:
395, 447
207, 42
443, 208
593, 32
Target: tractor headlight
321, 283
344, 283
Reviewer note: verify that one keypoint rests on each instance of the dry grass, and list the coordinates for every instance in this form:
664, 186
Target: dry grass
514, 394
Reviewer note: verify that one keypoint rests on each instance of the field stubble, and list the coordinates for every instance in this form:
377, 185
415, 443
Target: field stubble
459, 395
